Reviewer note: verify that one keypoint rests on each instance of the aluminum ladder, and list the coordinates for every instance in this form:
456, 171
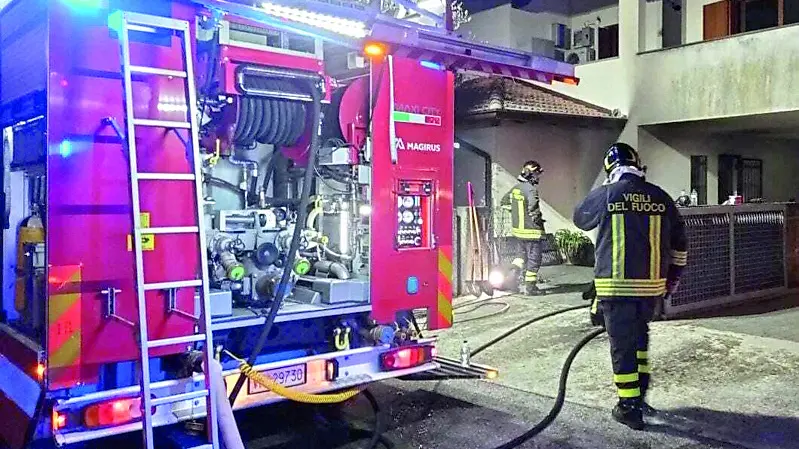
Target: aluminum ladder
123, 23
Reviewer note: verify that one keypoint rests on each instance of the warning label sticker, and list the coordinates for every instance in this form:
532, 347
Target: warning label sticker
147, 240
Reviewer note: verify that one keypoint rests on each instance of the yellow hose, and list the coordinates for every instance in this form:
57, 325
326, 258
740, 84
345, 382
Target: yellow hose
290, 394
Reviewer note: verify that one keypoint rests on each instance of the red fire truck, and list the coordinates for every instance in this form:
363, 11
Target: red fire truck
190, 183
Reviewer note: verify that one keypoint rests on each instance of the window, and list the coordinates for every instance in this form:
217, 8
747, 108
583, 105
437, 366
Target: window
729, 17
758, 15
740, 176
752, 179
608, 42
790, 11
699, 177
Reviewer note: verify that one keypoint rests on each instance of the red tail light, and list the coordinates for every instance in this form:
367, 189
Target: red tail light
113, 413
408, 357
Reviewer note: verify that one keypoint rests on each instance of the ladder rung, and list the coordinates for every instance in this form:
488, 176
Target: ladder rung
175, 341
173, 285
173, 230
157, 71
179, 397
134, 21
166, 176
161, 123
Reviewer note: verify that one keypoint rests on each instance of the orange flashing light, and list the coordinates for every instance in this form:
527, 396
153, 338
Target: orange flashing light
331, 370
568, 80
59, 420
40, 369
374, 50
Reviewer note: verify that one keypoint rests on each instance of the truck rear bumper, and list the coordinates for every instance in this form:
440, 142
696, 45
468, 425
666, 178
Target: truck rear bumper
355, 367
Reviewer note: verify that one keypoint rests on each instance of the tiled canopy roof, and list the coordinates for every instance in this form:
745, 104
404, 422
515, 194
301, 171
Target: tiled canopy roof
498, 94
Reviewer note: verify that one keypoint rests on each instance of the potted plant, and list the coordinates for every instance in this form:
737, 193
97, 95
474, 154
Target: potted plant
576, 247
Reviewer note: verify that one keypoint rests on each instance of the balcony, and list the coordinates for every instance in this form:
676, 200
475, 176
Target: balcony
746, 74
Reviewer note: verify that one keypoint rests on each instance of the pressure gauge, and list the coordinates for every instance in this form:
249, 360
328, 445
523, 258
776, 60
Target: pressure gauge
407, 217
408, 201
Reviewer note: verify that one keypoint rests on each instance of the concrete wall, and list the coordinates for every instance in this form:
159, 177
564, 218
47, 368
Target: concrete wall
490, 26
651, 18
668, 157
525, 26
741, 75
601, 83
571, 157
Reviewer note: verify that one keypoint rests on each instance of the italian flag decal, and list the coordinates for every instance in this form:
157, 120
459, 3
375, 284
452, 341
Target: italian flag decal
418, 119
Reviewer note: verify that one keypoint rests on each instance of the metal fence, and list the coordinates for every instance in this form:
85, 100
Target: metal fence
508, 248
735, 253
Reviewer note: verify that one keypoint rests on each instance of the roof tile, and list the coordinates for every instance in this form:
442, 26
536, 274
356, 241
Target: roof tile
499, 94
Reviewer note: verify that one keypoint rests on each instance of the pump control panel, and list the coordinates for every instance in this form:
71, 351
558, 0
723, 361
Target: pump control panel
414, 201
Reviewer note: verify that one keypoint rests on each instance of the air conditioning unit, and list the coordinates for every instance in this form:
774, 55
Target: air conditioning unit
580, 55
542, 47
561, 35
583, 37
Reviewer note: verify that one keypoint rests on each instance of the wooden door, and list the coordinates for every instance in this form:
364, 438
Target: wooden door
716, 20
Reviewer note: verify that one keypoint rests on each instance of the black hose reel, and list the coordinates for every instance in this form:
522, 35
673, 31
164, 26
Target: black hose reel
273, 106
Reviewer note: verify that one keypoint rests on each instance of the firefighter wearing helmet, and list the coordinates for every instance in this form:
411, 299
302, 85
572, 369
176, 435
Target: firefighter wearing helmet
641, 251
527, 225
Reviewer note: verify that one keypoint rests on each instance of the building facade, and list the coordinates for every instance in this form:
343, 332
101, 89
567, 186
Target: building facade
707, 87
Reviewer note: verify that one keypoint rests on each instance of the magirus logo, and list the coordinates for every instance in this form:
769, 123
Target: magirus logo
417, 146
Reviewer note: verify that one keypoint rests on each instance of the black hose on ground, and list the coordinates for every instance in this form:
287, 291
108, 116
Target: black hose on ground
302, 213
559, 400
512, 331
378, 430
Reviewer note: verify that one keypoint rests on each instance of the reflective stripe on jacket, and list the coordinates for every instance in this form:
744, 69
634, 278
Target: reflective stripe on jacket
640, 233
526, 222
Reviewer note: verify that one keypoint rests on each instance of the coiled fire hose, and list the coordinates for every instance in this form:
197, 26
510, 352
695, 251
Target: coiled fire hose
289, 393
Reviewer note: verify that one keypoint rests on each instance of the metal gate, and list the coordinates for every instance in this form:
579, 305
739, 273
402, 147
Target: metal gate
735, 254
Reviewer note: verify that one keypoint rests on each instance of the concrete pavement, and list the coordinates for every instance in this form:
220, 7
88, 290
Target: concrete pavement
729, 379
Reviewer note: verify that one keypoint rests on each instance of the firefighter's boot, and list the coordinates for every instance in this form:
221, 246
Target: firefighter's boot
531, 289
630, 414
648, 410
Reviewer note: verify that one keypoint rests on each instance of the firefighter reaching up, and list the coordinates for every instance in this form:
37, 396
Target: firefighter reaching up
640, 254
527, 225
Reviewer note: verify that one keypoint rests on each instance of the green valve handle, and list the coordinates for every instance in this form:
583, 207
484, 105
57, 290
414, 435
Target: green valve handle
236, 273
302, 267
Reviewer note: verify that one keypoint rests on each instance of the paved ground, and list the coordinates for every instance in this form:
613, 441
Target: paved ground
729, 382
730, 379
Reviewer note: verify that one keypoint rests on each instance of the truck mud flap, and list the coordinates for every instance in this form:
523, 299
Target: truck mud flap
21, 392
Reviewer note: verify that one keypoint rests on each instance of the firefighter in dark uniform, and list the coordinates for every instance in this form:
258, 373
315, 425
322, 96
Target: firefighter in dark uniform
641, 252
527, 225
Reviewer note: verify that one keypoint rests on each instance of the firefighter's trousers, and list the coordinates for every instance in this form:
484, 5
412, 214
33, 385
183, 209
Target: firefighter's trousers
627, 322
532, 254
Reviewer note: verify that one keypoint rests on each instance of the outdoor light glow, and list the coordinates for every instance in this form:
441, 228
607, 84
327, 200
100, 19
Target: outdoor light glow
431, 65
365, 210
84, 6
496, 278
374, 50
65, 149
347, 27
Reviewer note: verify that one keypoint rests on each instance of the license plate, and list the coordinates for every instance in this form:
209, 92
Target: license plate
289, 376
